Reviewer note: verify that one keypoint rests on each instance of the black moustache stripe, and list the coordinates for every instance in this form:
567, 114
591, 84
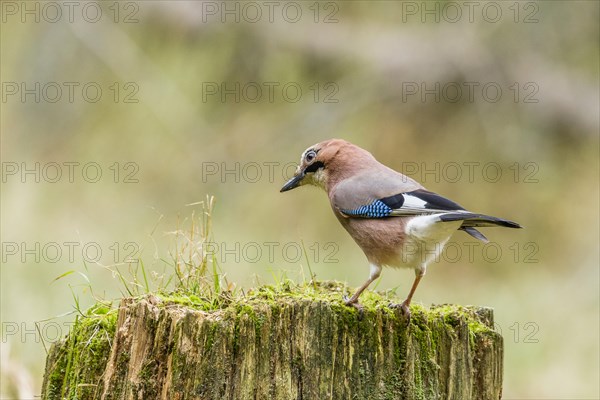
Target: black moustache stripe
314, 167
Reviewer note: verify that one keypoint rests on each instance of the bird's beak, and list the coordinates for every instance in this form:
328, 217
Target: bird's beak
294, 182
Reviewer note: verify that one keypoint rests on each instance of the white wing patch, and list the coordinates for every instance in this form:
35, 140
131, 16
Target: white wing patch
414, 205
412, 202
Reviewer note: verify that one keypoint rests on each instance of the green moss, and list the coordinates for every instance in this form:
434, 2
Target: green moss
210, 338
79, 360
189, 300
57, 362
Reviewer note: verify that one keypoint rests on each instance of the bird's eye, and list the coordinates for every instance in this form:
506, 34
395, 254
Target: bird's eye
310, 156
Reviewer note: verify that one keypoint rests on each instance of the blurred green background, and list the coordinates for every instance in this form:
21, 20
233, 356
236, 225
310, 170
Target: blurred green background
492, 104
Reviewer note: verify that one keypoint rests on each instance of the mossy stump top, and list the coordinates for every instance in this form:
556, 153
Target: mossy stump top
285, 342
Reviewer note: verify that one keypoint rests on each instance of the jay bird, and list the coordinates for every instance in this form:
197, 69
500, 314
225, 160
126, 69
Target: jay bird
393, 219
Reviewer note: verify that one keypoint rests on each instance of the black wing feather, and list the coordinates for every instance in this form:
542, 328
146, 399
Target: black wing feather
394, 202
435, 201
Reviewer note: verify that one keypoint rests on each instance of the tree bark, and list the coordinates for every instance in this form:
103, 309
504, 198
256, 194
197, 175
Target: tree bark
278, 345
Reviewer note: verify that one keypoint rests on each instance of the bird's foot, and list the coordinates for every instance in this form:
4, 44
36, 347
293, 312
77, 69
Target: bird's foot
404, 310
350, 301
354, 303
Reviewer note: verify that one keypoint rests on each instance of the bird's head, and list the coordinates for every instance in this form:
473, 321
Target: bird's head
317, 163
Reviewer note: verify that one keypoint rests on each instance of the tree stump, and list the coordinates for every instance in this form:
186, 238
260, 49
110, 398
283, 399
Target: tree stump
289, 342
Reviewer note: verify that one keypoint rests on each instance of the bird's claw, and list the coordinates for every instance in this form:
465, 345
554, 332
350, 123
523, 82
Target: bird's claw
354, 303
404, 310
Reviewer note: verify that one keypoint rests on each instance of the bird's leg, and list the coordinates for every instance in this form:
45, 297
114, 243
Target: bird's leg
353, 301
404, 307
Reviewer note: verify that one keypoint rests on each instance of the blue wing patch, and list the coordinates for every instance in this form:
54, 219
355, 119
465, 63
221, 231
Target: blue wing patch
377, 209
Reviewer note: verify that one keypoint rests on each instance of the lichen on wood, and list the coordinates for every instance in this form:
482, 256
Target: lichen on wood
284, 342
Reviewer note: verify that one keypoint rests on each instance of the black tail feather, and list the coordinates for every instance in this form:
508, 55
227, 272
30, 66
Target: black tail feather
475, 233
472, 220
